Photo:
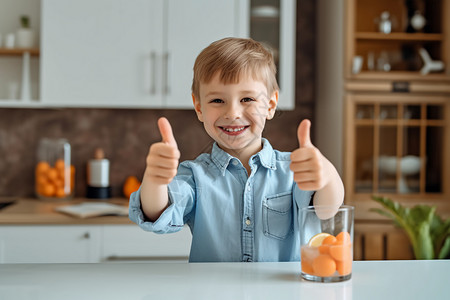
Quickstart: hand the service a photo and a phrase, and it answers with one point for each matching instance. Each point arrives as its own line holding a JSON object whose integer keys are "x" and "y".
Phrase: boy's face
{"x": 234, "y": 115}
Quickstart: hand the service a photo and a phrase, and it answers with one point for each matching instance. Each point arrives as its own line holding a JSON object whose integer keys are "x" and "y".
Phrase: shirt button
{"x": 235, "y": 162}
{"x": 248, "y": 222}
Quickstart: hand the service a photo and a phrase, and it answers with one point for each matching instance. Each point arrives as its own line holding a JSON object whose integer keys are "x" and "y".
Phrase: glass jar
{"x": 54, "y": 174}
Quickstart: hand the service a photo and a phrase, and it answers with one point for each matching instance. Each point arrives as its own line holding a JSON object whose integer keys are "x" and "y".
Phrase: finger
{"x": 166, "y": 132}
{"x": 304, "y": 177}
{"x": 162, "y": 162}
{"x": 302, "y": 154}
{"x": 164, "y": 150}
{"x": 162, "y": 173}
{"x": 307, "y": 186}
{"x": 303, "y": 134}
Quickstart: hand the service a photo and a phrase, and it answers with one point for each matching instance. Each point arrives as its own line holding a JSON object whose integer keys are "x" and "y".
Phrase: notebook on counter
{"x": 93, "y": 209}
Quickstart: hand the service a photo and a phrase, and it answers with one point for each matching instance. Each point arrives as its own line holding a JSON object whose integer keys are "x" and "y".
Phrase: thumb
{"x": 303, "y": 134}
{"x": 166, "y": 132}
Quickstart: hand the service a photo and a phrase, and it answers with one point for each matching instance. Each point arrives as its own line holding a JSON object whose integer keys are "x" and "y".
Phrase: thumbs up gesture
{"x": 307, "y": 163}
{"x": 162, "y": 159}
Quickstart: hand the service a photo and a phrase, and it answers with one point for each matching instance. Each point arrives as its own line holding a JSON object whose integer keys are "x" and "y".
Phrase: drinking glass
{"x": 326, "y": 241}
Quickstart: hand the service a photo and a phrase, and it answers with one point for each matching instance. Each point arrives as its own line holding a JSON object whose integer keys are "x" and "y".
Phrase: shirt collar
{"x": 222, "y": 159}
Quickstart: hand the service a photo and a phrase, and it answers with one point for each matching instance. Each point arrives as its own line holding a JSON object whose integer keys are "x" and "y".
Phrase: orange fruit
{"x": 59, "y": 164}
{"x": 307, "y": 268}
{"x": 323, "y": 265}
{"x": 42, "y": 167}
{"x": 344, "y": 237}
{"x": 344, "y": 267}
{"x": 329, "y": 240}
{"x": 317, "y": 239}
{"x": 60, "y": 193}
{"x": 48, "y": 190}
{"x": 52, "y": 173}
{"x": 324, "y": 249}
{"x": 131, "y": 185}
{"x": 341, "y": 252}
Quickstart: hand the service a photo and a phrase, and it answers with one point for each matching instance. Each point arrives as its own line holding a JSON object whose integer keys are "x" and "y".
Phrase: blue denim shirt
{"x": 232, "y": 216}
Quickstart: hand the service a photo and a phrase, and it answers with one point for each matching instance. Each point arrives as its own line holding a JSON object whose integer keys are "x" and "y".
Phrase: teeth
{"x": 233, "y": 129}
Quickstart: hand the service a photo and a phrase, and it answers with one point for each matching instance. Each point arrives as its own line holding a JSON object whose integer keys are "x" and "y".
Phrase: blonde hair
{"x": 233, "y": 57}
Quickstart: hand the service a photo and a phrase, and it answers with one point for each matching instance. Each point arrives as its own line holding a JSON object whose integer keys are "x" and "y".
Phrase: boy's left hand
{"x": 307, "y": 163}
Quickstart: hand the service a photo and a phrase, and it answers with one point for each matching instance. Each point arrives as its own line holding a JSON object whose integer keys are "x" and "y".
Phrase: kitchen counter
{"x": 370, "y": 280}
{"x": 25, "y": 211}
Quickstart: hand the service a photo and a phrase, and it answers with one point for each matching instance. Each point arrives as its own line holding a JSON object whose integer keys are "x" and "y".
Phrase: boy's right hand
{"x": 163, "y": 157}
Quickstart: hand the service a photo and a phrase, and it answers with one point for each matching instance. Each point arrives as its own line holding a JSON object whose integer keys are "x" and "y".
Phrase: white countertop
{"x": 371, "y": 280}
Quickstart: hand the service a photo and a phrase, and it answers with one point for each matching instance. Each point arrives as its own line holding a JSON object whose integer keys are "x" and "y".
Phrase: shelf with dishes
{"x": 394, "y": 39}
{"x": 397, "y": 145}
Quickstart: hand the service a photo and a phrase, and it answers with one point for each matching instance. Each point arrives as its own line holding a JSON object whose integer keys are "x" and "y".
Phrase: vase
{"x": 25, "y": 38}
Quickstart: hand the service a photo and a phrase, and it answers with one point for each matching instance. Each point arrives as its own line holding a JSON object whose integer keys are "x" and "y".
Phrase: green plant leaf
{"x": 400, "y": 215}
{"x": 445, "y": 250}
{"x": 424, "y": 246}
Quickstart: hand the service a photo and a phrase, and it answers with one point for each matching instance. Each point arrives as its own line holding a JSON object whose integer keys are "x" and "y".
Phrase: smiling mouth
{"x": 233, "y": 130}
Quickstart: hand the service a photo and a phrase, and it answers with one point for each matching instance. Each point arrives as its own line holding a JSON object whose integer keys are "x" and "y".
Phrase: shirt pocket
{"x": 278, "y": 215}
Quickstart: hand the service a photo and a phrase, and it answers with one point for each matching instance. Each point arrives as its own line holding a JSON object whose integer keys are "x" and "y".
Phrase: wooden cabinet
{"x": 89, "y": 244}
{"x": 395, "y": 54}
{"x": 397, "y": 117}
{"x": 397, "y": 145}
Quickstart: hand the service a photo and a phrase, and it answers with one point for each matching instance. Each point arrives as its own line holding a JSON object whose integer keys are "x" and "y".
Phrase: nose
{"x": 233, "y": 111}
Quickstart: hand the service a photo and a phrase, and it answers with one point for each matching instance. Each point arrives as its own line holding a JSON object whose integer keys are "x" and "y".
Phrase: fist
{"x": 162, "y": 159}
{"x": 307, "y": 162}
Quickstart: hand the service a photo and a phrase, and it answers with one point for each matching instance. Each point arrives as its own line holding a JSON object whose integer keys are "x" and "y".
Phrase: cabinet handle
{"x": 86, "y": 236}
{"x": 166, "y": 88}
{"x": 153, "y": 73}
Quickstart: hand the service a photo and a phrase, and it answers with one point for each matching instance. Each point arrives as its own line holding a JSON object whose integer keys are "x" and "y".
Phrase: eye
{"x": 247, "y": 99}
{"x": 216, "y": 101}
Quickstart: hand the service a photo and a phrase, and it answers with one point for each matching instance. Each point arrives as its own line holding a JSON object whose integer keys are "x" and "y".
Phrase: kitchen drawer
{"x": 49, "y": 244}
{"x": 130, "y": 242}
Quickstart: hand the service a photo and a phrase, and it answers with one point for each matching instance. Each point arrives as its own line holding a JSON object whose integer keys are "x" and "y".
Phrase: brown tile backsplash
{"x": 126, "y": 134}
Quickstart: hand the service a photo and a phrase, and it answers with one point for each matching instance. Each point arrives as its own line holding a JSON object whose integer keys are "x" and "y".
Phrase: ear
{"x": 272, "y": 105}
{"x": 197, "y": 107}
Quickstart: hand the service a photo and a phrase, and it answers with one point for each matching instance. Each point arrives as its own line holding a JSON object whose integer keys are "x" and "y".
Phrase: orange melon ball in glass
{"x": 326, "y": 255}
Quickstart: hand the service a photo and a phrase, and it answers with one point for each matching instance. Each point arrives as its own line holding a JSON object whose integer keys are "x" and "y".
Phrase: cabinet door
{"x": 191, "y": 26}
{"x": 129, "y": 242}
{"x": 49, "y": 244}
{"x": 397, "y": 145}
{"x": 101, "y": 53}
{"x": 273, "y": 22}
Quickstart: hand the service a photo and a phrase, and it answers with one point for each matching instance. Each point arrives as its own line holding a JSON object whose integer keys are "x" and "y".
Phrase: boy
{"x": 241, "y": 201}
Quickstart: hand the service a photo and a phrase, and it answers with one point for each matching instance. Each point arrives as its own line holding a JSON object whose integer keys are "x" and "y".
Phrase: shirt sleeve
{"x": 181, "y": 203}
{"x": 302, "y": 198}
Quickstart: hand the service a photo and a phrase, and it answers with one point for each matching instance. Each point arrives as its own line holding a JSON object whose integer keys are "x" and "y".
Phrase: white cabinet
{"x": 140, "y": 53}
{"x": 273, "y": 22}
{"x": 52, "y": 244}
{"x": 125, "y": 243}
{"x": 117, "y": 53}
{"x": 90, "y": 244}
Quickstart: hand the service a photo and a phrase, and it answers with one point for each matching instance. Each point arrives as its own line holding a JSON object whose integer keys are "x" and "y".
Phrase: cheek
{"x": 257, "y": 113}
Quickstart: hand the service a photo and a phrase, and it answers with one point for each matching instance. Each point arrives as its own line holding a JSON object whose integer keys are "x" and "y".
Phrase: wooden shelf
{"x": 400, "y": 76}
{"x": 400, "y": 36}
{"x": 399, "y": 122}
{"x": 19, "y": 52}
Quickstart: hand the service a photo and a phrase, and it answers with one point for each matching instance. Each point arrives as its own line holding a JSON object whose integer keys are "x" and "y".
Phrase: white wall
{"x": 330, "y": 80}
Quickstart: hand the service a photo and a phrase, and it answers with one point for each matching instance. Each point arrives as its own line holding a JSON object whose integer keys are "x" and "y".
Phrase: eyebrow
{"x": 216, "y": 93}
